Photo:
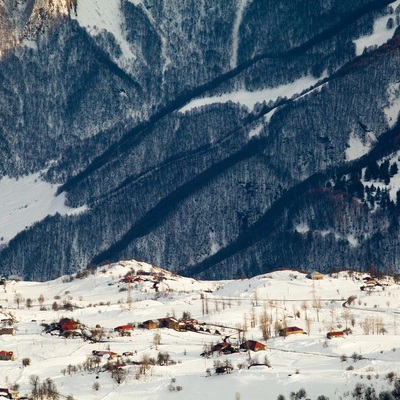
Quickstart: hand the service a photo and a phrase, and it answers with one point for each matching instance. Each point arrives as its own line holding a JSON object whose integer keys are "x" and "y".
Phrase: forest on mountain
{"x": 215, "y": 191}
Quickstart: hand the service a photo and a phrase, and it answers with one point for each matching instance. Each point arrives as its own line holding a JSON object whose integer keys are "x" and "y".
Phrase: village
{"x": 231, "y": 326}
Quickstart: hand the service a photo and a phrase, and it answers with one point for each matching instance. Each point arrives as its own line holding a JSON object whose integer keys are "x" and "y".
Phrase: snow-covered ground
{"x": 250, "y": 99}
{"x": 309, "y": 361}
{"x": 99, "y": 16}
{"x": 26, "y": 201}
{"x": 381, "y": 33}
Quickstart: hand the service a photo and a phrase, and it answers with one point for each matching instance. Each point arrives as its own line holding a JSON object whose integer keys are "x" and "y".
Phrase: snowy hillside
{"x": 25, "y": 201}
{"x": 165, "y": 363}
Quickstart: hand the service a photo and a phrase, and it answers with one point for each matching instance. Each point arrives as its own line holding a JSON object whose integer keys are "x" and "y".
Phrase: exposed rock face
{"x": 92, "y": 91}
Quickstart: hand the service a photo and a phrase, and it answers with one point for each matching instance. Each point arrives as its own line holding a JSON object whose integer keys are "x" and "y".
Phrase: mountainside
{"x": 216, "y": 139}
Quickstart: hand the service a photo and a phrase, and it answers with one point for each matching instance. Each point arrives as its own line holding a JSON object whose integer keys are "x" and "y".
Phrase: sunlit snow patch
{"x": 393, "y": 109}
{"x": 380, "y": 35}
{"x": 357, "y": 147}
{"x": 105, "y": 15}
{"x": 256, "y": 131}
{"x": 26, "y": 201}
{"x": 302, "y": 228}
{"x": 250, "y": 99}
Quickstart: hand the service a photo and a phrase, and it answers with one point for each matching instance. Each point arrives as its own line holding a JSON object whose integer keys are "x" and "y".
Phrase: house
{"x": 331, "y": 335}
{"x": 370, "y": 281}
{"x": 188, "y": 324}
{"x": 290, "y": 330}
{"x": 169, "y": 322}
{"x": 6, "y": 330}
{"x": 6, "y": 355}
{"x": 253, "y": 345}
{"x": 67, "y": 324}
{"x": 224, "y": 347}
{"x": 151, "y": 324}
{"x": 315, "y": 276}
{"x": 124, "y": 330}
{"x": 7, "y": 322}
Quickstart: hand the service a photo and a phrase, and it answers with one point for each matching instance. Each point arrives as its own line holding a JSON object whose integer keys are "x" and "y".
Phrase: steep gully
{"x": 267, "y": 223}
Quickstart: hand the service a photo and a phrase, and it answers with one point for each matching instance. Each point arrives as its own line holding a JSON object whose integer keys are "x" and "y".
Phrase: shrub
{"x": 26, "y": 361}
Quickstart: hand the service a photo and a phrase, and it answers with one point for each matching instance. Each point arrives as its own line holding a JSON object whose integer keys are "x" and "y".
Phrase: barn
{"x": 253, "y": 345}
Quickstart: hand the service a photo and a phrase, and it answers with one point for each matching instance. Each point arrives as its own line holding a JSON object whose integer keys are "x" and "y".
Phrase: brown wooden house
{"x": 315, "y": 275}
{"x": 253, "y": 345}
{"x": 290, "y": 330}
{"x": 151, "y": 324}
{"x": 338, "y": 334}
{"x": 169, "y": 322}
{"x": 6, "y": 330}
{"x": 223, "y": 347}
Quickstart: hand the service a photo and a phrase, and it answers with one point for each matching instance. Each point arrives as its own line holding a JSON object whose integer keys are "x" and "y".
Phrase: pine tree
{"x": 393, "y": 169}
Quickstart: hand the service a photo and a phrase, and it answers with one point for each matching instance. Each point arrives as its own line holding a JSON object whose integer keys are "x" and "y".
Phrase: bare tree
{"x": 347, "y": 315}
{"x": 256, "y": 298}
{"x": 308, "y": 325}
{"x": 118, "y": 374}
{"x": 253, "y": 317}
{"x": 41, "y": 300}
{"x": 145, "y": 364}
{"x": 18, "y": 299}
{"x": 304, "y": 307}
{"x": 156, "y": 340}
{"x": 265, "y": 323}
{"x": 317, "y": 304}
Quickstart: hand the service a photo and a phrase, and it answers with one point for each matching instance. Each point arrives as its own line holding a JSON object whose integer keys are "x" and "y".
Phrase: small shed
{"x": 290, "y": 330}
{"x": 253, "y": 345}
{"x": 315, "y": 276}
{"x": 6, "y": 355}
{"x": 337, "y": 334}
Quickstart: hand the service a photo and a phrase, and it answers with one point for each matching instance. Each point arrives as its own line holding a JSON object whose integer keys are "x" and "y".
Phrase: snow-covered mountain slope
{"x": 26, "y": 201}
{"x": 365, "y": 359}
{"x": 279, "y": 104}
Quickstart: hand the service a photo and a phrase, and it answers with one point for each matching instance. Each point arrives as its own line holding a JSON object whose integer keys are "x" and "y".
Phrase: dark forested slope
{"x": 219, "y": 190}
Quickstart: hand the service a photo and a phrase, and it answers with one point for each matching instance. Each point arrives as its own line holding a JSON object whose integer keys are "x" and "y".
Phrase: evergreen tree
{"x": 384, "y": 172}
{"x": 393, "y": 169}
{"x": 367, "y": 174}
